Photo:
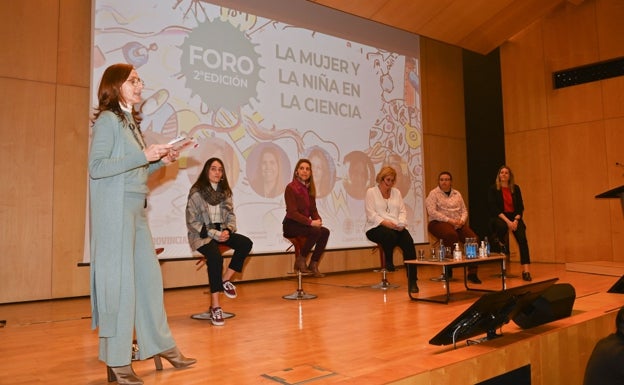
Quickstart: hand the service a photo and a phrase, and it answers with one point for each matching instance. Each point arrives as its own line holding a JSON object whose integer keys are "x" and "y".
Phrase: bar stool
{"x": 223, "y": 248}
{"x": 384, "y": 284}
{"x": 297, "y": 244}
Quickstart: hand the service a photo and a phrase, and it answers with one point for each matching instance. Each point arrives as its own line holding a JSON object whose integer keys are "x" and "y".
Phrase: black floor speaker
{"x": 617, "y": 287}
{"x": 555, "y": 303}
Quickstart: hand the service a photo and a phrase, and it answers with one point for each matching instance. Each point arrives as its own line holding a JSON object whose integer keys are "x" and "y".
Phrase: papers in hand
{"x": 182, "y": 143}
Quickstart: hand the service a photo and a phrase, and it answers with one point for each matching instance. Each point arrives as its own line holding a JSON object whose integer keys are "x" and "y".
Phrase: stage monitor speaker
{"x": 555, "y": 303}
{"x": 617, "y": 287}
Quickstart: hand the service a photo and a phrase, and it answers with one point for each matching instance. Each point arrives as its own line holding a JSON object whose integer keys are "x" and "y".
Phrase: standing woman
{"x": 386, "y": 217}
{"x": 506, "y": 208}
{"x": 302, "y": 218}
{"x": 126, "y": 280}
{"x": 210, "y": 221}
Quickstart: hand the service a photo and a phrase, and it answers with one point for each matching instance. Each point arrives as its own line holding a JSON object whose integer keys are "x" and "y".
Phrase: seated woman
{"x": 302, "y": 218}
{"x": 386, "y": 217}
{"x": 210, "y": 220}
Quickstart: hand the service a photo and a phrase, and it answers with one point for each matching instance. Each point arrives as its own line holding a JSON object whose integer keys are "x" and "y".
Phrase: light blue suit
{"x": 126, "y": 280}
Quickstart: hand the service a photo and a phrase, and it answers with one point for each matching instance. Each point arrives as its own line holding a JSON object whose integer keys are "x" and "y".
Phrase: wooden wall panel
{"x": 582, "y": 136}
{"x": 70, "y": 191}
{"x": 27, "y": 128}
{"x": 614, "y": 138}
{"x": 29, "y": 33}
{"x": 443, "y": 114}
{"x": 524, "y": 81}
{"x": 571, "y": 40}
{"x": 578, "y": 173}
{"x": 570, "y": 36}
{"x": 613, "y": 97}
{"x": 569, "y": 105}
{"x": 609, "y": 16}
{"x": 74, "y": 42}
{"x": 527, "y": 153}
{"x": 443, "y": 89}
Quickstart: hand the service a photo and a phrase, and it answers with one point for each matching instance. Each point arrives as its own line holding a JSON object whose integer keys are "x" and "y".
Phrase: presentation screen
{"x": 261, "y": 94}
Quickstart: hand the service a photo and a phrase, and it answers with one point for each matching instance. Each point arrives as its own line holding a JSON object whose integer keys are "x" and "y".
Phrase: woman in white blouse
{"x": 386, "y": 217}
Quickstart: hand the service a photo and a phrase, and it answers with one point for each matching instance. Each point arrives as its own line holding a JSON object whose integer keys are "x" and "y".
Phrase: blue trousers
{"x": 141, "y": 306}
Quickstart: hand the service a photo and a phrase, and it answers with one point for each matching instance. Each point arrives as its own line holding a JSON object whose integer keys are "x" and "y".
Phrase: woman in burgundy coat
{"x": 302, "y": 218}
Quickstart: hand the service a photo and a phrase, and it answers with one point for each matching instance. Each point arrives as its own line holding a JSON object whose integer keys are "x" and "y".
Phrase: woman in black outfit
{"x": 506, "y": 208}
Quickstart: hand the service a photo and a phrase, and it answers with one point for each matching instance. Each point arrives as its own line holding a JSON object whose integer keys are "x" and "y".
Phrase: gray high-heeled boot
{"x": 124, "y": 375}
{"x": 175, "y": 358}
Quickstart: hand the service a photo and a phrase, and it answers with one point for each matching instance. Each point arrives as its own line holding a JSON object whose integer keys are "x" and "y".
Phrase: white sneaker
{"x": 217, "y": 316}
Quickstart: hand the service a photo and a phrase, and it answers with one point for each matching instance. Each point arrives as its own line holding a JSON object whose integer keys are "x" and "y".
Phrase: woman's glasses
{"x": 136, "y": 81}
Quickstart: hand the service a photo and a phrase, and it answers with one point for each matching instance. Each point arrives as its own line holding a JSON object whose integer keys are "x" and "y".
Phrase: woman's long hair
{"x": 511, "y": 183}
{"x": 310, "y": 184}
{"x": 109, "y": 92}
{"x": 203, "y": 182}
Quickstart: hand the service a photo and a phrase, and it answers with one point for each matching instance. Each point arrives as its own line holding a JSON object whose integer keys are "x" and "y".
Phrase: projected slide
{"x": 261, "y": 94}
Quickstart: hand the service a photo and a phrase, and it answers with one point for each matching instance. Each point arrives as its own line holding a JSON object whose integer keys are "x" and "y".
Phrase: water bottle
{"x": 472, "y": 247}
{"x": 487, "y": 247}
{"x": 467, "y": 248}
{"x": 442, "y": 252}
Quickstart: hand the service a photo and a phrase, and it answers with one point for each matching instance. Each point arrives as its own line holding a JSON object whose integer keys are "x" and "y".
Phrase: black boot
{"x": 300, "y": 265}
{"x": 313, "y": 267}
{"x": 472, "y": 277}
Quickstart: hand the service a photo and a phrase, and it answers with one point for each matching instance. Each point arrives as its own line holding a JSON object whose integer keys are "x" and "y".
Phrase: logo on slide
{"x": 223, "y": 72}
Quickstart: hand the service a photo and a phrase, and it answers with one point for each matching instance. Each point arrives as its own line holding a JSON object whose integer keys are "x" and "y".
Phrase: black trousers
{"x": 501, "y": 228}
{"x": 214, "y": 260}
{"x": 316, "y": 237}
{"x": 389, "y": 239}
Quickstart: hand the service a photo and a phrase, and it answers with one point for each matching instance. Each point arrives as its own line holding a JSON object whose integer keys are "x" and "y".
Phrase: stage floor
{"x": 350, "y": 334}
{"x": 615, "y": 269}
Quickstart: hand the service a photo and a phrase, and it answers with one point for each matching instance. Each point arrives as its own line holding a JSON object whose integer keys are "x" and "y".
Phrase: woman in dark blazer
{"x": 506, "y": 209}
